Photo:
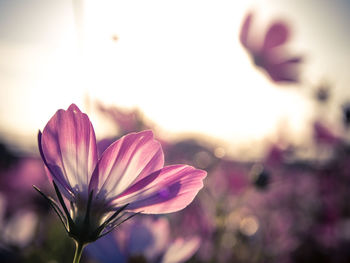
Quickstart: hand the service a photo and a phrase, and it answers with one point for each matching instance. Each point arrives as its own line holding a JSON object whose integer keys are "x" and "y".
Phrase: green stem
{"x": 78, "y": 251}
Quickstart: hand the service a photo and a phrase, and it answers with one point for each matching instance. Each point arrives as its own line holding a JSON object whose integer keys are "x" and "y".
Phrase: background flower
{"x": 269, "y": 54}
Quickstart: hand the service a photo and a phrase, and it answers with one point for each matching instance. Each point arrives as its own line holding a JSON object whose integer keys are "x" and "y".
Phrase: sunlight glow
{"x": 179, "y": 62}
{"x": 183, "y": 67}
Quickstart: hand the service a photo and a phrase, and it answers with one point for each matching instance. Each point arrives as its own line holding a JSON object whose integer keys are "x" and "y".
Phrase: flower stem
{"x": 78, "y": 251}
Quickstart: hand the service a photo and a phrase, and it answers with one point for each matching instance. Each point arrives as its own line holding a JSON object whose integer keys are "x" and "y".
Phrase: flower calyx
{"x": 87, "y": 228}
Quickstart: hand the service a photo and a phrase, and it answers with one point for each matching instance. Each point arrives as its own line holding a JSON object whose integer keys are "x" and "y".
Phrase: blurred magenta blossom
{"x": 18, "y": 229}
{"x": 270, "y": 54}
{"x": 324, "y": 135}
{"x": 27, "y": 170}
{"x": 144, "y": 239}
{"x": 126, "y": 120}
{"x": 129, "y": 175}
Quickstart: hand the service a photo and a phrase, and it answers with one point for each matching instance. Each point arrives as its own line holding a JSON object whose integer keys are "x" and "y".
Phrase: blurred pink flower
{"x": 270, "y": 54}
{"x": 228, "y": 178}
{"x": 18, "y": 229}
{"x": 197, "y": 220}
{"x": 181, "y": 250}
{"x": 126, "y": 120}
{"x": 130, "y": 174}
{"x": 324, "y": 135}
{"x": 144, "y": 239}
{"x": 274, "y": 156}
{"x": 27, "y": 170}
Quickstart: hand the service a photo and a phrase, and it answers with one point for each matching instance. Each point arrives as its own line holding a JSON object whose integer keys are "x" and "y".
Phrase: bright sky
{"x": 180, "y": 62}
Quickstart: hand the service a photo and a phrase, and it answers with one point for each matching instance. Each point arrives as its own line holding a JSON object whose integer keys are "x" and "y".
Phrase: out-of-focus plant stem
{"x": 78, "y": 251}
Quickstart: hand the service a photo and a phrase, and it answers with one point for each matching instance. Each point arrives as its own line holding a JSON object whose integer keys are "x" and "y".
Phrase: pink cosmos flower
{"x": 129, "y": 176}
{"x": 269, "y": 55}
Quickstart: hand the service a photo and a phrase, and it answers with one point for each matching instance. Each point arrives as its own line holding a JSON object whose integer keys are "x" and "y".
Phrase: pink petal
{"x": 286, "y": 70}
{"x": 324, "y": 135}
{"x": 243, "y": 36}
{"x": 165, "y": 191}
{"x": 181, "y": 250}
{"x": 68, "y": 145}
{"x": 126, "y": 161}
{"x": 277, "y": 35}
